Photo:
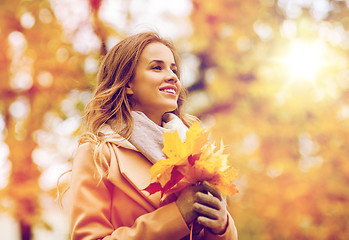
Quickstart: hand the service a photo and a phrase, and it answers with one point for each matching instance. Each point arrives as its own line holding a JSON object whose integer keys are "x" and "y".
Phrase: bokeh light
{"x": 305, "y": 59}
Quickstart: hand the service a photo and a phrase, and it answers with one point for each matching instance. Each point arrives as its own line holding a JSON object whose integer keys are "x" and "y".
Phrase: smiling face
{"x": 155, "y": 86}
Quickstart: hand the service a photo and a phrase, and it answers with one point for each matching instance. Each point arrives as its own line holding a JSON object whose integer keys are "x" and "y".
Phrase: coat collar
{"x": 134, "y": 167}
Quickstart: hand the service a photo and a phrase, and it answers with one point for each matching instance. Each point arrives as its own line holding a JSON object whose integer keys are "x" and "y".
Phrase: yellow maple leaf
{"x": 162, "y": 170}
{"x": 195, "y": 139}
{"x": 174, "y": 148}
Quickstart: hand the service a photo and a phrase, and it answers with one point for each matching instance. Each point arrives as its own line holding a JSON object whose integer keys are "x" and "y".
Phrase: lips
{"x": 169, "y": 89}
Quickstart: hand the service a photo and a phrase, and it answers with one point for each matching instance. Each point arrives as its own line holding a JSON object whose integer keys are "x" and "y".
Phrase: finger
{"x": 200, "y": 188}
{"x": 216, "y": 226}
{"x": 208, "y": 200}
{"x": 214, "y": 191}
{"x": 205, "y": 211}
{"x": 212, "y": 224}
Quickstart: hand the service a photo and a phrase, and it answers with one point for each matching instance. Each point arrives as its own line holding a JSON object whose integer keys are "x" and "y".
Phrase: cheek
{"x": 152, "y": 81}
{"x": 179, "y": 86}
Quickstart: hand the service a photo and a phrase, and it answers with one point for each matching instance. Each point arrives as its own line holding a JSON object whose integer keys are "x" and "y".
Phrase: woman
{"x": 138, "y": 97}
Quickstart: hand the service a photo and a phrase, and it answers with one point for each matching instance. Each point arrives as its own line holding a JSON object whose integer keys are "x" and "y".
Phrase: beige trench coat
{"x": 117, "y": 207}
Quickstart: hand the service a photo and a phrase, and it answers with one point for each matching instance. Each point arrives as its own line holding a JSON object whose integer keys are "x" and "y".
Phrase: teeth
{"x": 169, "y": 90}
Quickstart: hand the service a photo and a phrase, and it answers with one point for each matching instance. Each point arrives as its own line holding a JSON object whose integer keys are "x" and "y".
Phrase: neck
{"x": 155, "y": 117}
{"x": 157, "y": 120}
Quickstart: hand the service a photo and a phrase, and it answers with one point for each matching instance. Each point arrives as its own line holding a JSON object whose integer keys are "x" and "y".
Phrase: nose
{"x": 172, "y": 77}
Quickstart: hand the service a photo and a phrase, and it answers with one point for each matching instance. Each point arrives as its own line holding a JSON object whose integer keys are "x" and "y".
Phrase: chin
{"x": 171, "y": 109}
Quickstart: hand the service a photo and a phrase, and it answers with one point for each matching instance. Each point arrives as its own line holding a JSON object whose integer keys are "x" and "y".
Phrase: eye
{"x": 157, "y": 68}
{"x": 175, "y": 71}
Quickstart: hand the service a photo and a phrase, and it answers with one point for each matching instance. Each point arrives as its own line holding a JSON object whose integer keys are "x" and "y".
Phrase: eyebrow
{"x": 162, "y": 62}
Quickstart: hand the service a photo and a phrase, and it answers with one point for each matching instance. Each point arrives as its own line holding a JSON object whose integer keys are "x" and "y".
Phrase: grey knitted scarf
{"x": 147, "y": 137}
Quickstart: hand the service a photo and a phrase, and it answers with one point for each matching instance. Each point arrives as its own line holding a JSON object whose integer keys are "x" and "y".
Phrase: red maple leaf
{"x": 153, "y": 188}
{"x": 176, "y": 176}
{"x": 193, "y": 158}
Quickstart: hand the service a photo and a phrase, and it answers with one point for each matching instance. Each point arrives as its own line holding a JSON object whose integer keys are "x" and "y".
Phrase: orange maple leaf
{"x": 194, "y": 160}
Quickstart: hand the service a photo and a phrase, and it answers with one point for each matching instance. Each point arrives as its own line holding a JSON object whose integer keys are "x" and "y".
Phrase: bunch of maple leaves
{"x": 195, "y": 160}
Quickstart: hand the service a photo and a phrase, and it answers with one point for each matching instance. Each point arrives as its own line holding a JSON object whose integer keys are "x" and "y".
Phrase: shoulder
{"x": 94, "y": 149}
{"x": 86, "y": 147}
{"x": 83, "y": 160}
{"x": 90, "y": 155}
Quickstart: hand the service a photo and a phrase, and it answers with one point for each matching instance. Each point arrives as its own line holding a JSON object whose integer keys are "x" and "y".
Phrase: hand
{"x": 185, "y": 203}
{"x": 205, "y": 204}
{"x": 211, "y": 208}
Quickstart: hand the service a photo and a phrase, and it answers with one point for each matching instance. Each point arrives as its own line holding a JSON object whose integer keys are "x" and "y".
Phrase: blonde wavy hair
{"x": 110, "y": 101}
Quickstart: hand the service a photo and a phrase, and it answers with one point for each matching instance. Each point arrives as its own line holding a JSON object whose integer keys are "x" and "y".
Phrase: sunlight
{"x": 305, "y": 59}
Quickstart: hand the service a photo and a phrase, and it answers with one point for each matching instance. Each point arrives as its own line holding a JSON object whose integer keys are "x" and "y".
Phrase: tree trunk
{"x": 25, "y": 230}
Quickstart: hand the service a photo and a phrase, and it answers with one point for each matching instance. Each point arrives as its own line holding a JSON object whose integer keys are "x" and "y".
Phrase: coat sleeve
{"x": 91, "y": 212}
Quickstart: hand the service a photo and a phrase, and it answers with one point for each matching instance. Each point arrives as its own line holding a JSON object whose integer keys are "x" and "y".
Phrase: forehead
{"x": 157, "y": 51}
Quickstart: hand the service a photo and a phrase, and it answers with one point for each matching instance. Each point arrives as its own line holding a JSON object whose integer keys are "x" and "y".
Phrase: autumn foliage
{"x": 284, "y": 123}
{"x": 190, "y": 162}
{"x": 270, "y": 76}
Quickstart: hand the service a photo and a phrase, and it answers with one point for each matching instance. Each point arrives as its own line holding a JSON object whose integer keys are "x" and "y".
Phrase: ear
{"x": 129, "y": 90}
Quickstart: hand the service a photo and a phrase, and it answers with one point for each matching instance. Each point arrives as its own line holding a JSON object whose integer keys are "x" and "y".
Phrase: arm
{"x": 91, "y": 208}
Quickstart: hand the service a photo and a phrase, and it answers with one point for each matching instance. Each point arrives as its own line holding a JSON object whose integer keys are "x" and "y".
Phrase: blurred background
{"x": 271, "y": 76}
